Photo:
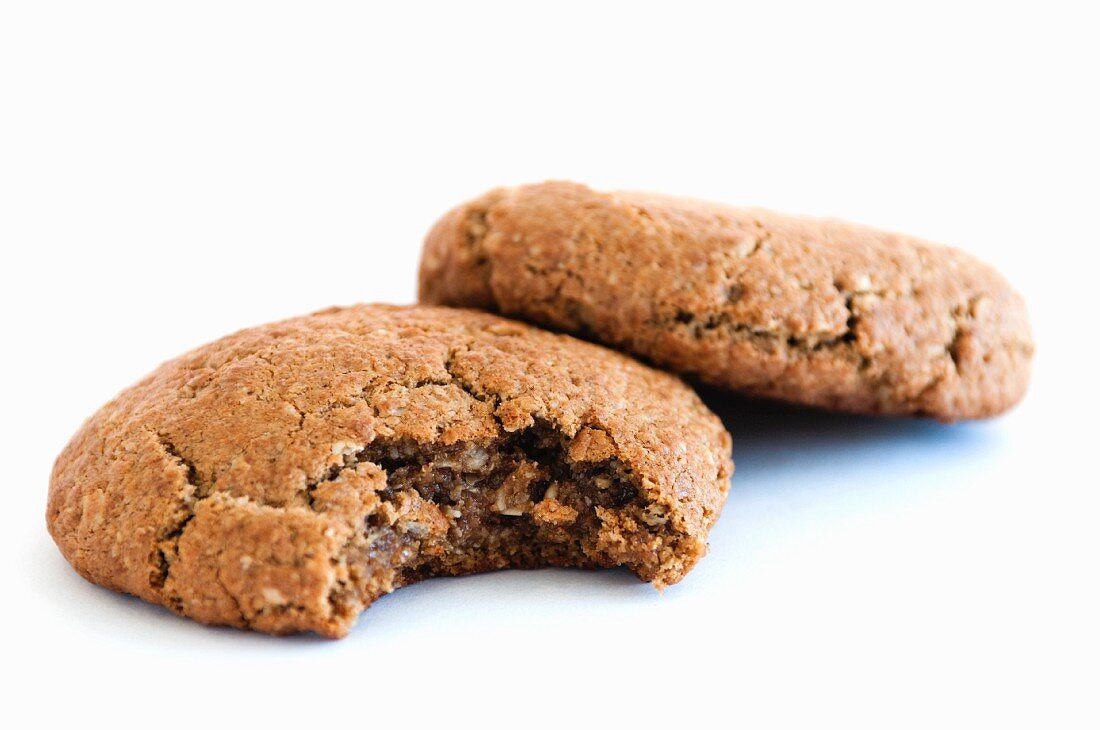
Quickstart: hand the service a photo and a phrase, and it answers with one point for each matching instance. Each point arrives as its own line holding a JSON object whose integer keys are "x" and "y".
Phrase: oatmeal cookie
{"x": 284, "y": 477}
{"x": 817, "y": 312}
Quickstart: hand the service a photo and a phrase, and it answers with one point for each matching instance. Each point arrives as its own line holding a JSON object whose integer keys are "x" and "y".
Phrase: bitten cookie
{"x": 286, "y": 476}
{"x": 816, "y": 312}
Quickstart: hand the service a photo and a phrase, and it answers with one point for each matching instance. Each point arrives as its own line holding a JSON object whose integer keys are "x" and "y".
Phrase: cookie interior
{"x": 519, "y": 502}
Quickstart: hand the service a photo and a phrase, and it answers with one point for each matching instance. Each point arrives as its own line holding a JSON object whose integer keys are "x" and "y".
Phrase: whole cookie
{"x": 816, "y": 312}
{"x": 284, "y": 477}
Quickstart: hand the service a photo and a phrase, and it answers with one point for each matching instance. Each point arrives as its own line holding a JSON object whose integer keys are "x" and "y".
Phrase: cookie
{"x": 816, "y": 312}
{"x": 284, "y": 477}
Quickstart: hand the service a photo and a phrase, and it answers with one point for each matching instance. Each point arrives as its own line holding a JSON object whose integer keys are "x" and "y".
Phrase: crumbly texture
{"x": 817, "y": 312}
{"x": 284, "y": 477}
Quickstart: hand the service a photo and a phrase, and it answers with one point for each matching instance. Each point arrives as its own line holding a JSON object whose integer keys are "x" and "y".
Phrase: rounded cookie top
{"x": 817, "y": 312}
{"x": 283, "y": 477}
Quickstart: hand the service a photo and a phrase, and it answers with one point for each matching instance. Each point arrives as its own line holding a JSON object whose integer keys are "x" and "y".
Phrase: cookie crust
{"x": 284, "y": 477}
{"x": 816, "y": 312}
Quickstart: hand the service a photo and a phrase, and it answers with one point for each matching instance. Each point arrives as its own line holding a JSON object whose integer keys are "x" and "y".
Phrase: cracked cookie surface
{"x": 816, "y": 312}
{"x": 284, "y": 477}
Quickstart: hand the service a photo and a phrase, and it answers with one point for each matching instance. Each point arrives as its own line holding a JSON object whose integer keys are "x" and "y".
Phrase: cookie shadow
{"x": 438, "y": 604}
{"x": 777, "y": 447}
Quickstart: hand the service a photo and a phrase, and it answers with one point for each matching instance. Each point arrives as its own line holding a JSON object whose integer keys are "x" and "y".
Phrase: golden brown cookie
{"x": 817, "y": 312}
{"x": 284, "y": 477}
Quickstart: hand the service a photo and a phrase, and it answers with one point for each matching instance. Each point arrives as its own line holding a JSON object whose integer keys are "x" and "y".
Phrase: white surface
{"x": 172, "y": 173}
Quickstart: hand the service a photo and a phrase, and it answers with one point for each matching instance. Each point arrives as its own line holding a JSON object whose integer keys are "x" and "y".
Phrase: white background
{"x": 172, "y": 172}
